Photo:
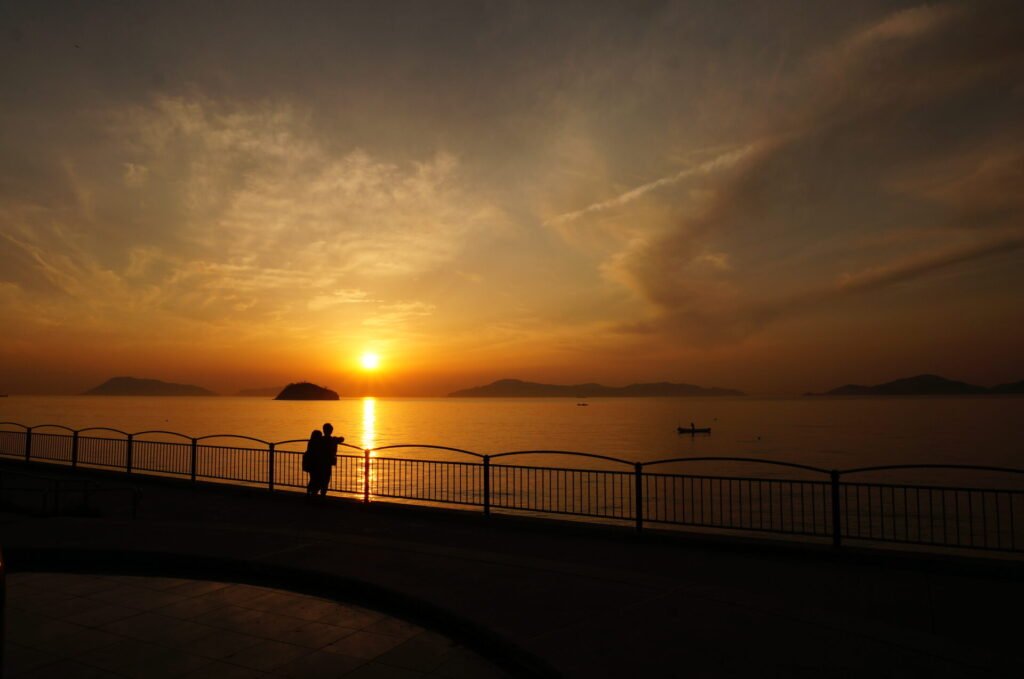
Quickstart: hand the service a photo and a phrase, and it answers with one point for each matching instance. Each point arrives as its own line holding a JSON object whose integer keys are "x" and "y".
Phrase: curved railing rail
{"x": 163, "y": 431}
{"x": 832, "y": 507}
{"x": 754, "y": 460}
{"x": 571, "y": 453}
{"x": 427, "y": 446}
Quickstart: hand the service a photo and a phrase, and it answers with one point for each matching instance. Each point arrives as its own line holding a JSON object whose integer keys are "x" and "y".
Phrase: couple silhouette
{"x": 320, "y": 456}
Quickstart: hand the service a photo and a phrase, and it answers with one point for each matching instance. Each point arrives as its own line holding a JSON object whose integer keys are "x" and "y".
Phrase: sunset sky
{"x": 769, "y": 196}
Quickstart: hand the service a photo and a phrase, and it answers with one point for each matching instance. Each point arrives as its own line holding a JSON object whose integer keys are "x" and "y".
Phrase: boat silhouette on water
{"x": 694, "y": 430}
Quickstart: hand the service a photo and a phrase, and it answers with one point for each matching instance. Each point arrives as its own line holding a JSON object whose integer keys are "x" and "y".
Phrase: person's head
{"x": 328, "y": 428}
{"x": 316, "y": 434}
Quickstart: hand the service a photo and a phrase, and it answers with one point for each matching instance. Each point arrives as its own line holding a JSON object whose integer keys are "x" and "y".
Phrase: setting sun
{"x": 369, "y": 361}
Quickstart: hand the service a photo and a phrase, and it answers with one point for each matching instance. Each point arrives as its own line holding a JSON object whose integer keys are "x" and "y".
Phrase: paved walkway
{"x": 545, "y": 598}
{"x": 69, "y": 625}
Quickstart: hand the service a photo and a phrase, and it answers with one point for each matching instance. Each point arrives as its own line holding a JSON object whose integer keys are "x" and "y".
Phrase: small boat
{"x": 694, "y": 430}
{"x": 582, "y": 404}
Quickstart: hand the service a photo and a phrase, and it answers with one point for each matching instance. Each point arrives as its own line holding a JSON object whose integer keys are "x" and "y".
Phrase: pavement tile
{"x": 237, "y": 594}
{"x": 424, "y": 652}
{"x": 190, "y": 608}
{"x": 157, "y": 628}
{"x": 136, "y": 597}
{"x": 100, "y": 614}
{"x": 223, "y": 670}
{"x": 267, "y": 655}
{"x": 315, "y": 634}
{"x": 273, "y": 600}
{"x": 248, "y": 621}
{"x": 352, "y": 617}
{"x": 312, "y": 608}
{"x": 366, "y": 645}
{"x": 123, "y": 654}
{"x": 67, "y": 669}
{"x": 153, "y": 582}
{"x": 221, "y": 643}
{"x": 20, "y": 580}
{"x": 67, "y": 605}
{"x": 462, "y": 663}
{"x": 73, "y": 583}
{"x": 20, "y": 659}
{"x": 394, "y": 627}
{"x": 134, "y": 658}
{"x": 376, "y": 670}
{"x": 29, "y": 596}
{"x": 62, "y": 639}
{"x": 319, "y": 665}
{"x": 196, "y": 588}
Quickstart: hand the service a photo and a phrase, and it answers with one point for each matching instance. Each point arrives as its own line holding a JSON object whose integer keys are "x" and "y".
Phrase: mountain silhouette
{"x": 919, "y": 385}
{"x": 306, "y": 391}
{"x": 518, "y": 388}
{"x": 1009, "y": 388}
{"x": 136, "y": 386}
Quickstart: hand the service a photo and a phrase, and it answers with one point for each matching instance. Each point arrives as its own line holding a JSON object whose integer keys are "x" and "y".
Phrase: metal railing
{"x": 807, "y": 502}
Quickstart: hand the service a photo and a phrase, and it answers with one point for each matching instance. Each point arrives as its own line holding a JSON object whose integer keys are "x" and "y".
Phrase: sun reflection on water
{"x": 369, "y": 422}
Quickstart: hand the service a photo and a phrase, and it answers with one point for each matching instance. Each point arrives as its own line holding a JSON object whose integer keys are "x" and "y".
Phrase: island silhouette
{"x": 519, "y": 388}
{"x": 306, "y": 391}
{"x": 141, "y": 386}
{"x": 922, "y": 385}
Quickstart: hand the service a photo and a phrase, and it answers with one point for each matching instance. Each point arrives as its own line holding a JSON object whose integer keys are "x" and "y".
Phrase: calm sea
{"x": 831, "y": 433}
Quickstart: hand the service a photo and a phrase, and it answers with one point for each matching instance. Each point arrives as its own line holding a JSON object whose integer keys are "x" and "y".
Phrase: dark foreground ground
{"x": 549, "y": 599}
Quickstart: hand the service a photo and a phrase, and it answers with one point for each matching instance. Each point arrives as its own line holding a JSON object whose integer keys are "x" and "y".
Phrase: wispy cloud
{"x": 720, "y": 162}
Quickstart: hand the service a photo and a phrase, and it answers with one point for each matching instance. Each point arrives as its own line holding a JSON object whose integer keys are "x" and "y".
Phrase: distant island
{"x": 922, "y": 385}
{"x": 306, "y": 391}
{"x": 260, "y": 391}
{"x": 135, "y": 386}
{"x": 518, "y": 388}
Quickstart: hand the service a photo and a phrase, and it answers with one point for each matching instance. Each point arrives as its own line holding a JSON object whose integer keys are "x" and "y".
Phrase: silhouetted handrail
{"x": 779, "y": 463}
{"x": 163, "y": 431}
{"x": 973, "y": 467}
{"x": 16, "y": 424}
{"x": 232, "y": 436}
{"x": 430, "y": 446}
{"x": 563, "y": 452}
{"x": 53, "y": 426}
{"x": 123, "y": 433}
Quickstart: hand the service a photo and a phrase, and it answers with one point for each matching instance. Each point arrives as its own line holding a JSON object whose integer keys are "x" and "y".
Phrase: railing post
{"x": 270, "y": 468}
{"x": 128, "y": 454}
{"x": 28, "y": 443}
{"x": 366, "y": 475}
{"x": 487, "y": 485}
{"x": 195, "y": 454}
{"x": 837, "y": 537}
{"x": 639, "y": 467}
{"x": 74, "y": 449}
